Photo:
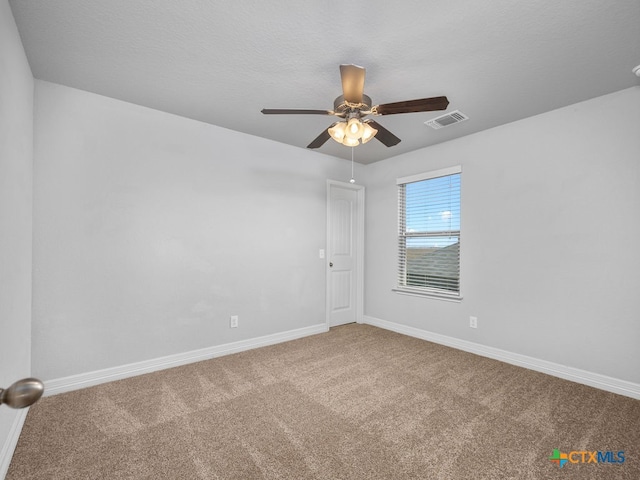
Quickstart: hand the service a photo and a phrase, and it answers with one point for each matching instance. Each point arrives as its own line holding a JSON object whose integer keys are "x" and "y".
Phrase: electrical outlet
{"x": 233, "y": 322}
{"x": 473, "y": 322}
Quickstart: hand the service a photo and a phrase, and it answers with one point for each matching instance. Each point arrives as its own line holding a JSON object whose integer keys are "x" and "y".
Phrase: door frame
{"x": 359, "y": 189}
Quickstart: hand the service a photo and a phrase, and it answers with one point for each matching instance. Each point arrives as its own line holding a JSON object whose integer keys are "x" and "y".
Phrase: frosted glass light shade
{"x": 350, "y": 142}
{"x": 354, "y": 128}
{"x": 368, "y": 133}
{"x": 337, "y": 131}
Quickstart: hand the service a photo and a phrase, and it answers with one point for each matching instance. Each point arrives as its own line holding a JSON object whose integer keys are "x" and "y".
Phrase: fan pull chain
{"x": 353, "y": 180}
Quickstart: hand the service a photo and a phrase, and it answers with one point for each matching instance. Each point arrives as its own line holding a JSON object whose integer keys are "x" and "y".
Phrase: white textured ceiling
{"x": 221, "y": 62}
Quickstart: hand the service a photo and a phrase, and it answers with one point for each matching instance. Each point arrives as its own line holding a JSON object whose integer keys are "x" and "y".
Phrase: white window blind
{"x": 429, "y": 233}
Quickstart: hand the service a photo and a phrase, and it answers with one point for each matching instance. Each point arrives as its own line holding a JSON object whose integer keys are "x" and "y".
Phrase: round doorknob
{"x": 330, "y": 264}
{"x": 23, "y": 393}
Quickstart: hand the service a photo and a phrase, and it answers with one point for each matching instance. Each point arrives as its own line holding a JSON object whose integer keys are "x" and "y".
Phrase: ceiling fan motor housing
{"x": 342, "y": 107}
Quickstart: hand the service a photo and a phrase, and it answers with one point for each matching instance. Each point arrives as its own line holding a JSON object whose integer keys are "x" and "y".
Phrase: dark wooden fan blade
{"x": 321, "y": 139}
{"x": 409, "y": 106}
{"x": 384, "y": 135}
{"x": 278, "y": 111}
{"x": 352, "y": 82}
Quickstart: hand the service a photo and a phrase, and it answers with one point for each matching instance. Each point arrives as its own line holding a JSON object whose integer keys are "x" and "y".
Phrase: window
{"x": 429, "y": 233}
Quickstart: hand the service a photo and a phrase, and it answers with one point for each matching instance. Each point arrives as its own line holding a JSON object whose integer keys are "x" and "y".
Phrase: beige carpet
{"x": 355, "y": 403}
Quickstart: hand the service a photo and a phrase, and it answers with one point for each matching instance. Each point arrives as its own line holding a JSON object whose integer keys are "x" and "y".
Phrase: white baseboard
{"x": 89, "y": 379}
{"x": 6, "y": 454}
{"x": 603, "y": 382}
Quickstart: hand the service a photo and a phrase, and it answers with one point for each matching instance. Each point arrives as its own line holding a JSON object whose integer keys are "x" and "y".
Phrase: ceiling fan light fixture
{"x": 352, "y": 133}
{"x": 337, "y": 131}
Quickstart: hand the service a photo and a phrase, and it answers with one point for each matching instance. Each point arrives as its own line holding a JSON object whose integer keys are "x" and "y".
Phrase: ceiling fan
{"x": 353, "y": 105}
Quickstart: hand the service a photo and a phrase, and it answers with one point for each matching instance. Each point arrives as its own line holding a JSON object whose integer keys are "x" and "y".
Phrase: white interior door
{"x": 343, "y": 259}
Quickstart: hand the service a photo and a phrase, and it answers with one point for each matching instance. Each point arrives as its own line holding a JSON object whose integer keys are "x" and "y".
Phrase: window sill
{"x": 423, "y": 293}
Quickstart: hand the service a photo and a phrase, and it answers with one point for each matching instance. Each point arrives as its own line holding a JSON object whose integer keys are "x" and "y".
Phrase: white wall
{"x": 150, "y": 230}
{"x": 550, "y": 236}
{"x": 16, "y": 166}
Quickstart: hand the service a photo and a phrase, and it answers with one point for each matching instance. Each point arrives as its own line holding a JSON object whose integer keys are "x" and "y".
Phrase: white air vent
{"x": 447, "y": 119}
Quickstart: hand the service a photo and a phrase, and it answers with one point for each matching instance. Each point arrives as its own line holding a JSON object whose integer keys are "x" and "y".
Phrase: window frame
{"x": 403, "y": 235}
